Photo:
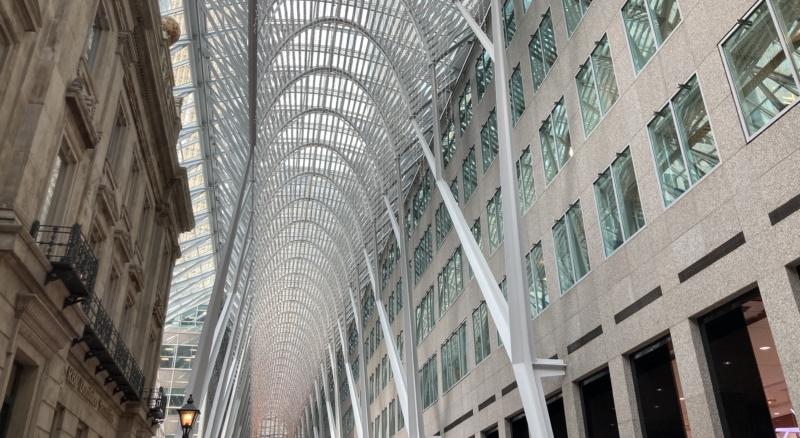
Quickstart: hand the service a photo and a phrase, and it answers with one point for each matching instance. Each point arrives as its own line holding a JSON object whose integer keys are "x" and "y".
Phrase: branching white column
{"x": 331, "y": 419}
{"x": 351, "y": 386}
{"x": 362, "y": 365}
{"x": 338, "y": 404}
{"x": 320, "y": 408}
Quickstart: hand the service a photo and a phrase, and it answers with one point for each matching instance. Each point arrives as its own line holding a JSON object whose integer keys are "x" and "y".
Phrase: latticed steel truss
{"x": 338, "y": 83}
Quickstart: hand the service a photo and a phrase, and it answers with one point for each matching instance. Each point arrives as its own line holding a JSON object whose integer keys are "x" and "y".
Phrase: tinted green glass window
{"x": 476, "y": 233}
{"x": 537, "y": 279}
{"x": 517, "y": 94}
{"x": 494, "y": 213}
{"x": 597, "y": 86}
{"x": 469, "y": 175}
{"x": 542, "y": 50}
{"x": 443, "y": 225}
{"x": 465, "y": 107}
{"x": 572, "y": 255}
{"x": 509, "y": 24}
{"x": 448, "y": 144}
{"x": 454, "y": 358}
{"x": 423, "y": 255}
{"x": 618, "y": 203}
{"x": 480, "y": 330}
{"x": 573, "y": 13}
{"x": 425, "y": 317}
{"x": 648, "y": 23}
{"x": 683, "y": 145}
{"x": 483, "y": 74}
{"x": 555, "y": 141}
{"x": 759, "y": 64}
{"x": 527, "y": 191}
{"x": 450, "y": 282}
{"x": 430, "y": 382}
{"x": 489, "y": 143}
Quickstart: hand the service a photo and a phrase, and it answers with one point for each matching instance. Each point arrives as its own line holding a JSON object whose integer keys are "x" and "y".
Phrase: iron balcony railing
{"x": 106, "y": 344}
{"x": 71, "y": 257}
{"x": 156, "y": 404}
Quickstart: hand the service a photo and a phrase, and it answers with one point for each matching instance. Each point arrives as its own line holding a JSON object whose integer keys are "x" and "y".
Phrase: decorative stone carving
{"x": 83, "y": 108}
{"x": 172, "y": 29}
{"x": 107, "y": 204}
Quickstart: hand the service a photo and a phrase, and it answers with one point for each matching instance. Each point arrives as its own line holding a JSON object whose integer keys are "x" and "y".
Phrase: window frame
{"x": 453, "y": 337}
{"x": 547, "y": 289}
{"x": 614, "y": 185}
{"x": 591, "y": 64}
{"x": 652, "y": 34}
{"x": 784, "y": 46}
{"x": 561, "y": 101}
{"x": 538, "y": 36}
{"x": 513, "y": 97}
{"x": 669, "y": 104}
{"x": 576, "y": 280}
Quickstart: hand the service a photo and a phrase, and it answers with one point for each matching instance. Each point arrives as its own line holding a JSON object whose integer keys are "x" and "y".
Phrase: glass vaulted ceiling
{"x": 337, "y": 85}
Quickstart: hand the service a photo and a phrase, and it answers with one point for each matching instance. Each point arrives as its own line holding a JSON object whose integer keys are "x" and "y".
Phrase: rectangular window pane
{"x": 682, "y": 141}
{"x": 425, "y": 318}
{"x": 577, "y": 241}
{"x": 610, "y": 227}
{"x": 537, "y": 60}
{"x": 517, "y": 94}
{"x": 658, "y": 390}
{"x": 760, "y": 69}
{"x": 494, "y": 212}
{"x": 423, "y": 255}
{"x": 665, "y": 17}
{"x": 527, "y": 191}
{"x": 448, "y": 144}
{"x": 537, "y": 279}
{"x": 509, "y": 24}
{"x": 587, "y": 96}
{"x": 476, "y": 233}
{"x": 548, "y": 150}
{"x": 566, "y": 276}
{"x": 630, "y": 206}
{"x": 450, "y": 282}
{"x": 489, "y": 142}
{"x": 469, "y": 175}
{"x": 640, "y": 33}
{"x": 465, "y": 107}
{"x": 599, "y": 414}
{"x": 483, "y": 74}
{"x": 604, "y": 75}
{"x": 454, "y": 358}
{"x": 573, "y": 12}
{"x": 430, "y": 383}
{"x": 561, "y": 134}
{"x": 480, "y": 332}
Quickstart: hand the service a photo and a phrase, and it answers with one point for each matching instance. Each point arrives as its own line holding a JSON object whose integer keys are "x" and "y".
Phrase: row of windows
{"x": 384, "y": 425}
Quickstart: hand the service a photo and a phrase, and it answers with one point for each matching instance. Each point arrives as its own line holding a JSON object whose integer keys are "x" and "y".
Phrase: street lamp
{"x": 188, "y": 415}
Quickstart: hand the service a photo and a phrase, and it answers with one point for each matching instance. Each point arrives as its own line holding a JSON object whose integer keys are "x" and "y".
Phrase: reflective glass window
{"x": 572, "y": 254}
{"x": 543, "y": 51}
{"x": 517, "y": 94}
{"x": 483, "y": 74}
{"x": 465, "y": 107}
{"x": 555, "y": 141}
{"x": 597, "y": 86}
{"x": 509, "y": 24}
{"x": 648, "y": 23}
{"x": 494, "y": 213}
{"x": 537, "y": 279}
{"x": 489, "y": 142}
{"x": 469, "y": 175}
{"x": 618, "y": 203}
{"x": 480, "y": 333}
{"x": 454, "y": 358}
{"x": 573, "y": 13}
{"x": 527, "y": 190}
{"x": 430, "y": 382}
{"x": 450, "y": 282}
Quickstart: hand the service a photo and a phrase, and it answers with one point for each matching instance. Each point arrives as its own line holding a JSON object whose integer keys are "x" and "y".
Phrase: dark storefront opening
{"x": 519, "y": 426}
{"x": 558, "y": 418}
{"x": 599, "y": 412}
{"x": 749, "y": 386}
{"x": 492, "y": 433}
{"x": 662, "y": 409}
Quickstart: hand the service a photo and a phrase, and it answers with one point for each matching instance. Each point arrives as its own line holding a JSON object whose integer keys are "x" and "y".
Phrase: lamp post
{"x": 188, "y": 415}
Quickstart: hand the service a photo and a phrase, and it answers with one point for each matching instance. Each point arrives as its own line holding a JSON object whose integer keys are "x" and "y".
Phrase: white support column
{"x": 309, "y": 420}
{"x": 331, "y": 419}
{"x": 236, "y": 397}
{"x": 476, "y": 28}
{"x": 337, "y": 402}
{"x": 317, "y": 424}
{"x": 413, "y": 415}
{"x": 351, "y": 386}
{"x": 394, "y": 358}
{"x": 362, "y": 364}
{"x": 320, "y": 408}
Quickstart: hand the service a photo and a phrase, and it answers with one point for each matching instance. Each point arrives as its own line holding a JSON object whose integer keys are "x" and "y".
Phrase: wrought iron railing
{"x": 156, "y": 404}
{"x": 71, "y": 257}
{"x": 106, "y": 344}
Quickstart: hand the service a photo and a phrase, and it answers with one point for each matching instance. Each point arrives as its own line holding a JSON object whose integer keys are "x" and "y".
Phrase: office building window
{"x": 745, "y": 368}
{"x": 54, "y": 191}
{"x": 430, "y": 382}
{"x": 572, "y": 255}
{"x": 443, "y": 225}
{"x": 648, "y": 24}
{"x": 555, "y": 141}
{"x": 384, "y": 421}
{"x": 400, "y": 346}
{"x": 509, "y": 24}
{"x": 489, "y": 142}
{"x": 599, "y": 415}
{"x": 557, "y": 414}
{"x": 93, "y": 42}
{"x": 356, "y": 369}
{"x": 423, "y": 255}
{"x": 503, "y": 285}
{"x": 390, "y": 308}
{"x": 454, "y": 358}
{"x": 618, "y": 203}
{"x": 484, "y": 72}
{"x": 399, "y": 294}
{"x": 451, "y": 282}
{"x": 391, "y": 419}
{"x": 448, "y": 143}
{"x": 476, "y": 233}
{"x": 469, "y": 175}
{"x": 425, "y": 316}
{"x": 517, "y": 94}
{"x": 683, "y": 144}
{"x": 658, "y": 391}
{"x": 401, "y": 420}
{"x": 537, "y": 279}
{"x": 573, "y": 13}
{"x": 762, "y": 59}
{"x": 480, "y": 332}
{"x": 494, "y": 213}
{"x": 527, "y": 190}
{"x": 543, "y": 51}
{"x": 597, "y": 86}
{"x": 465, "y": 108}
{"x": 421, "y": 199}
{"x": 383, "y": 372}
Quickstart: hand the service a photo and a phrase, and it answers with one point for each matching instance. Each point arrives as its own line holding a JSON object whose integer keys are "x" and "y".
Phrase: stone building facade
{"x": 92, "y": 200}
